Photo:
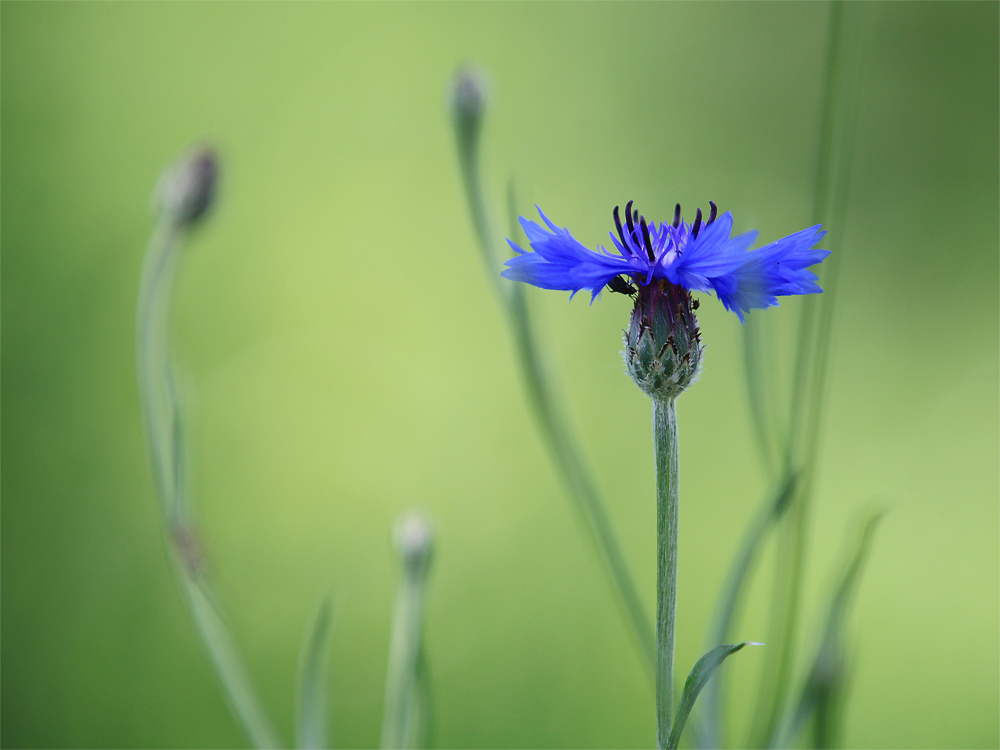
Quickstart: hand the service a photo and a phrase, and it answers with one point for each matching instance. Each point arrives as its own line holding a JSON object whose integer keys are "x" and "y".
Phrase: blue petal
{"x": 559, "y": 261}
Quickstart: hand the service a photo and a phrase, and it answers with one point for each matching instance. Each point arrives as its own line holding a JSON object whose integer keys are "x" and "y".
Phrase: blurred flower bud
{"x": 663, "y": 347}
{"x": 185, "y": 190}
{"x": 415, "y": 542}
{"x": 469, "y": 94}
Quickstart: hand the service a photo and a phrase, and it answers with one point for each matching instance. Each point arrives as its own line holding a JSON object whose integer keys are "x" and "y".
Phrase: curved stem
{"x": 667, "y": 500}
{"x": 163, "y": 425}
{"x": 544, "y": 402}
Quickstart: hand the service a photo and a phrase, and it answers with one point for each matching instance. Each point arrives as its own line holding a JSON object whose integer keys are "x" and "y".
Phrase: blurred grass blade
{"x": 758, "y": 368}
{"x": 822, "y": 695}
{"x": 468, "y": 107}
{"x": 845, "y": 52}
{"x": 709, "y": 730}
{"x": 422, "y": 725}
{"x": 221, "y": 650}
{"x": 696, "y": 680}
{"x": 311, "y": 711}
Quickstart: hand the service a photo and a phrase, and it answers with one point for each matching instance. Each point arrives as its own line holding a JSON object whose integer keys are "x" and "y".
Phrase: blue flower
{"x": 697, "y": 257}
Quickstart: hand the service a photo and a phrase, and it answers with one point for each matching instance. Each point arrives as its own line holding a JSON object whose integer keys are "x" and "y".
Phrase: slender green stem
{"x": 163, "y": 424}
{"x": 311, "y": 707}
{"x": 667, "y": 486}
{"x": 542, "y": 396}
{"x": 406, "y": 715}
{"x": 840, "y": 109}
{"x": 404, "y": 658}
{"x": 710, "y": 732}
{"x": 758, "y": 369}
{"x": 577, "y": 477}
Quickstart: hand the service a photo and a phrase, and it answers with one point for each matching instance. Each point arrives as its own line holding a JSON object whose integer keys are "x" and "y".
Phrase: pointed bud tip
{"x": 185, "y": 190}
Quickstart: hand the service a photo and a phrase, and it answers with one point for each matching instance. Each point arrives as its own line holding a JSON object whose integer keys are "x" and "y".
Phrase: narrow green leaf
{"x": 822, "y": 693}
{"x": 850, "y": 27}
{"x": 310, "y": 724}
{"x": 709, "y": 730}
{"x": 699, "y": 676}
{"x": 222, "y": 651}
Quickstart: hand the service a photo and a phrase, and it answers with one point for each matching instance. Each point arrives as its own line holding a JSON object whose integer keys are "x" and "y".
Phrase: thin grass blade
{"x": 311, "y": 709}
{"x": 696, "y": 680}
{"x": 849, "y": 27}
{"x": 709, "y": 729}
{"x": 823, "y": 693}
{"x": 222, "y": 651}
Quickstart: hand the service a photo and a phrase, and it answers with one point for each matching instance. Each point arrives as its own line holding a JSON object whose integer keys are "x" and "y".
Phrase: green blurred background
{"x": 346, "y": 360}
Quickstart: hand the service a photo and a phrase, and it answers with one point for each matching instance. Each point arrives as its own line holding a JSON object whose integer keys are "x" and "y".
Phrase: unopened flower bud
{"x": 414, "y": 542}
{"x": 185, "y": 190}
{"x": 469, "y": 94}
{"x": 663, "y": 349}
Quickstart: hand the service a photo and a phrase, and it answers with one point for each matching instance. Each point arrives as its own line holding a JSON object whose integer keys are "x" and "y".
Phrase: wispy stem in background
{"x": 789, "y": 454}
{"x": 184, "y": 195}
{"x": 823, "y": 692}
{"x": 310, "y": 720}
{"x": 468, "y": 105}
{"x": 840, "y": 110}
{"x": 406, "y": 717}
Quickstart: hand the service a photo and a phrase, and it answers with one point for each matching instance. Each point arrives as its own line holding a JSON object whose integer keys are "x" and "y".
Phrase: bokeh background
{"x": 345, "y": 359}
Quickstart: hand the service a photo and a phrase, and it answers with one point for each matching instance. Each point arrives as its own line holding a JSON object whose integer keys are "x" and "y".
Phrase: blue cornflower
{"x": 695, "y": 257}
{"x": 663, "y": 350}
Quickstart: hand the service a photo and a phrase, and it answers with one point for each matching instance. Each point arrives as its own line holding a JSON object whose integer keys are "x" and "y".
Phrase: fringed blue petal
{"x": 712, "y": 262}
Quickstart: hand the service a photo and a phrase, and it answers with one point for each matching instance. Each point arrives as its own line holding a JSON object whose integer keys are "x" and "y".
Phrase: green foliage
{"x": 700, "y": 674}
{"x": 311, "y": 721}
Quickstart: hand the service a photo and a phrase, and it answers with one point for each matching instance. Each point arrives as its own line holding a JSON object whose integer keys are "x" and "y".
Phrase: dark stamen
{"x": 621, "y": 234}
{"x": 628, "y": 220}
{"x": 697, "y": 225}
{"x": 645, "y": 239}
{"x": 712, "y": 214}
{"x": 635, "y": 215}
{"x": 677, "y": 216}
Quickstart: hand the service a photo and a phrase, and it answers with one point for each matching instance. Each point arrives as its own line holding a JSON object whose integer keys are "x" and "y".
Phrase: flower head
{"x": 667, "y": 261}
{"x": 695, "y": 257}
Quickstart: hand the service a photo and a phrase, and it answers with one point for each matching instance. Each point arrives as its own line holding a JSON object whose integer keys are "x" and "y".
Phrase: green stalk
{"x": 843, "y": 76}
{"x": 468, "y": 107}
{"x": 406, "y": 716}
{"x": 163, "y": 425}
{"x": 667, "y": 497}
{"x": 399, "y": 717}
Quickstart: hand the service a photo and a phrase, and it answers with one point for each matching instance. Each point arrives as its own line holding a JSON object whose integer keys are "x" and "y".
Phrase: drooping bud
{"x": 185, "y": 190}
{"x": 663, "y": 349}
{"x": 415, "y": 542}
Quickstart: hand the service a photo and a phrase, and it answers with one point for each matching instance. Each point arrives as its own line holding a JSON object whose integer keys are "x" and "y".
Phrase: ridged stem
{"x": 667, "y": 500}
